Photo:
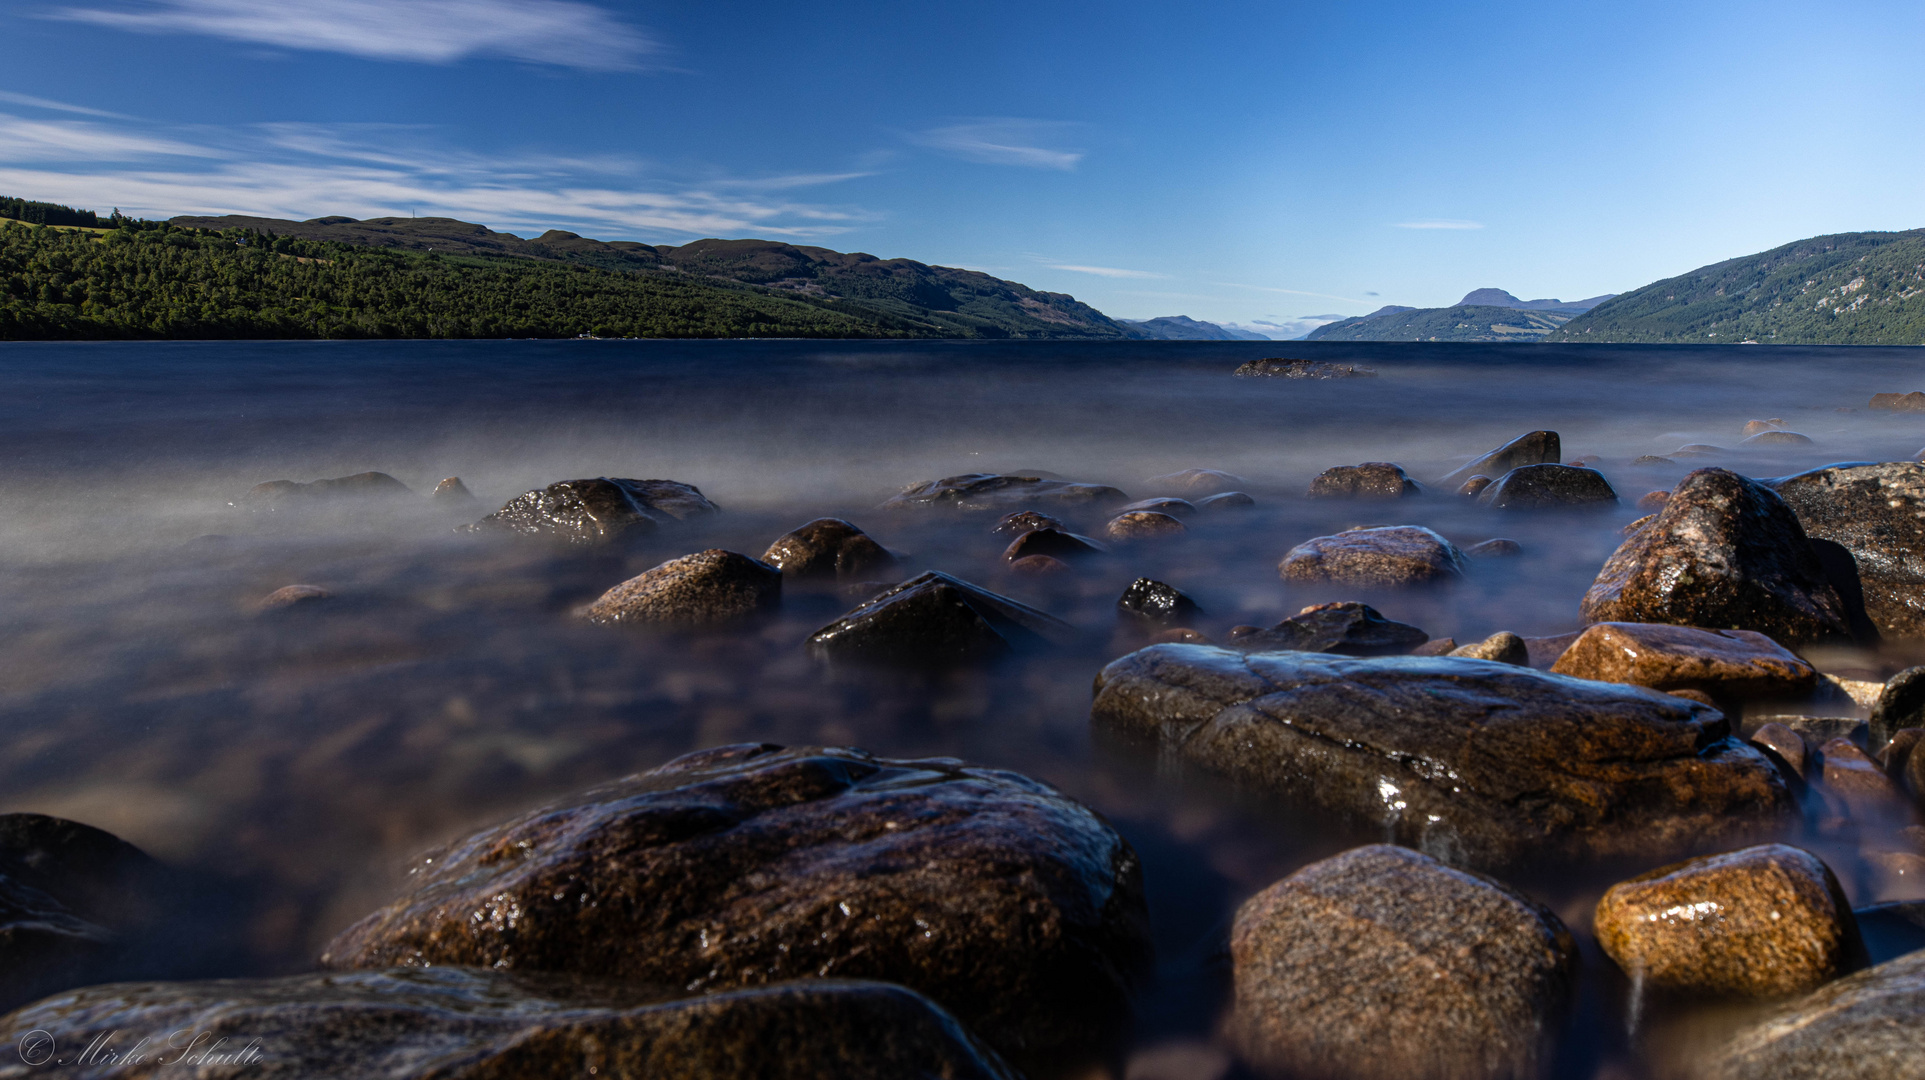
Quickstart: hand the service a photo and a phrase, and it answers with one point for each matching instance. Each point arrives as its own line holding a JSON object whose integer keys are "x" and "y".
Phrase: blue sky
{"x": 1240, "y": 162}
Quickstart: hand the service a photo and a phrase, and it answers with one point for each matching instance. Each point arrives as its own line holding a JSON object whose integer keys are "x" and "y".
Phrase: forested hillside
{"x": 1466, "y": 322}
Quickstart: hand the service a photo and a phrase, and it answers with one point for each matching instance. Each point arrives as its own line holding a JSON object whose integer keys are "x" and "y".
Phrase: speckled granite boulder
{"x": 1014, "y": 907}
{"x": 463, "y": 1023}
{"x": 1371, "y": 480}
{"x": 598, "y": 510}
{"x": 1727, "y": 664}
{"x": 1876, "y": 512}
{"x": 830, "y": 548}
{"x": 1548, "y": 486}
{"x": 1384, "y": 964}
{"x": 1346, "y": 627}
{"x": 1392, "y": 556}
{"x": 1864, "y": 1026}
{"x": 1765, "y": 922}
{"x": 702, "y": 589}
{"x": 1503, "y": 647}
{"x": 1143, "y": 525}
{"x": 1532, "y": 448}
{"x": 934, "y": 619}
{"x": 1724, "y": 553}
{"x": 994, "y": 491}
{"x": 1478, "y": 762}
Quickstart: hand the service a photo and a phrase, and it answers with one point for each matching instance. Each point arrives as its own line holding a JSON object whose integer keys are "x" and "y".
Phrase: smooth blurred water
{"x": 301, "y": 759}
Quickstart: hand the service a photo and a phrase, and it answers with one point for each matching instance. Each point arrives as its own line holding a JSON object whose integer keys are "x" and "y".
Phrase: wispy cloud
{"x": 66, "y": 140}
{"x": 1288, "y": 292}
{"x": 57, "y": 106}
{"x": 1103, "y": 271}
{"x": 1438, "y": 224}
{"x": 558, "y": 32}
{"x": 1034, "y": 144}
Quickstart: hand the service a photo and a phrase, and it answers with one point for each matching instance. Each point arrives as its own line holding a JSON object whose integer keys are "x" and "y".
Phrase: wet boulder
{"x": 829, "y": 549}
{"x": 998, "y": 492}
{"x": 1371, "y": 480}
{"x": 598, "y": 510}
{"x": 1533, "y": 448}
{"x": 364, "y": 487}
{"x": 1877, "y": 513}
{"x": 1856, "y": 777}
{"x": 1014, "y": 907}
{"x": 1229, "y": 500}
{"x": 934, "y": 619}
{"x": 1730, "y": 665}
{"x": 1503, "y": 647}
{"x": 1176, "y": 508}
{"x": 1153, "y": 603}
{"x": 1474, "y": 486}
{"x": 446, "y": 1022}
{"x": 1384, "y": 964}
{"x": 1900, "y": 704}
{"x": 703, "y": 589}
{"x": 1478, "y": 762}
{"x": 1393, "y": 556}
{"x": 1143, "y": 525}
{"x": 1347, "y": 628}
{"x": 1861, "y": 1027}
{"x": 1055, "y": 543}
{"x": 1788, "y": 746}
{"x": 1191, "y": 483}
{"x": 1765, "y": 922}
{"x": 1724, "y": 552}
{"x": 1023, "y": 521}
{"x": 1541, "y": 487}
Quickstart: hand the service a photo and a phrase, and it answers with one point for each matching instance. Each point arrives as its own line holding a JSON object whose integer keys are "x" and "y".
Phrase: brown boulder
{"x": 1777, "y": 438}
{"x": 1877, "y": 513}
{"x": 1143, "y": 525}
{"x": 1786, "y": 744}
{"x": 705, "y": 588}
{"x": 994, "y": 491}
{"x": 597, "y": 511}
{"x": 1501, "y": 547}
{"x": 1383, "y": 964}
{"x": 1912, "y": 402}
{"x": 1730, "y": 665}
{"x": 1852, "y": 775}
{"x": 1278, "y": 367}
{"x": 1194, "y": 482}
{"x": 1474, "y": 486}
{"x": 276, "y": 495}
{"x": 1548, "y": 486}
{"x": 1023, "y": 521}
{"x": 1653, "y": 501}
{"x": 1900, "y": 704}
{"x": 1861, "y": 1027}
{"x": 1533, "y": 448}
{"x": 1764, "y": 922}
{"x": 1229, "y": 500}
{"x": 1388, "y": 556}
{"x": 1371, "y": 480}
{"x": 288, "y": 596}
{"x": 1503, "y": 647}
{"x": 1753, "y": 427}
{"x": 829, "y": 548}
{"x": 1038, "y": 565}
{"x": 452, "y": 494}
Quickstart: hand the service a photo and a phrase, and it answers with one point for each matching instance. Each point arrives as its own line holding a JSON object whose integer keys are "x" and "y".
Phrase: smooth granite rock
{"x": 1371, "y": 480}
{"x": 1856, "y": 777}
{"x": 1173, "y": 507}
{"x": 1228, "y": 500}
{"x": 997, "y": 492}
{"x": 1392, "y": 556}
{"x": 1503, "y": 647}
{"x": 1383, "y": 964}
{"x": 1014, "y": 907}
{"x": 1191, "y": 483}
{"x": 1777, "y": 438}
{"x": 1532, "y": 448}
{"x": 1724, "y": 553}
{"x": 1864, "y": 1026}
{"x": 1877, "y": 513}
{"x": 1548, "y": 486}
{"x": 466, "y": 1023}
{"x": 830, "y": 549}
{"x": 1153, "y": 603}
{"x": 1764, "y": 922}
{"x": 1055, "y": 543}
{"x": 1347, "y": 628}
{"x": 1474, "y": 761}
{"x": 1143, "y": 525}
{"x": 935, "y": 619}
{"x": 1501, "y": 547}
{"x": 1730, "y": 665}
{"x": 1788, "y": 746}
{"x": 703, "y": 589}
{"x": 598, "y": 510}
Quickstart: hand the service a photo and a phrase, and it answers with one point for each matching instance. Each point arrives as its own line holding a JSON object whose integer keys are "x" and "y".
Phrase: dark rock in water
{"x": 702, "y": 589}
{"x": 1473, "y": 761}
{"x": 1901, "y": 704}
{"x": 1861, "y": 1027}
{"x": 1191, "y": 483}
{"x": 1753, "y": 427}
{"x": 1725, "y": 552}
{"x": 1143, "y": 525}
{"x": 1730, "y": 665}
{"x": 1545, "y": 651}
{"x": 1229, "y": 500}
{"x": 1023, "y": 521}
{"x": 934, "y": 619}
{"x": 992, "y": 491}
{"x": 1176, "y": 508}
{"x": 1876, "y": 512}
{"x": 1788, "y": 745}
{"x": 1157, "y": 604}
{"x": 598, "y": 510}
{"x": 1371, "y": 480}
{"x": 1498, "y": 548}
{"x": 1534, "y": 448}
{"x": 286, "y": 494}
{"x": 1777, "y": 438}
{"x": 1537, "y": 487}
{"x": 1765, "y": 922}
{"x": 1038, "y": 565}
{"x": 1475, "y": 486}
{"x": 829, "y": 548}
{"x": 451, "y": 494}
{"x": 1854, "y": 776}
{"x": 1503, "y": 647}
{"x": 1056, "y": 543}
{"x": 1698, "y": 450}
{"x": 1348, "y": 628}
{"x": 1652, "y": 459}
{"x": 1384, "y": 964}
{"x": 1391, "y": 556}
{"x": 289, "y": 595}
{"x": 446, "y": 1022}
{"x": 1014, "y": 907}
{"x": 1912, "y": 402}
{"x": 1281, "y": 368}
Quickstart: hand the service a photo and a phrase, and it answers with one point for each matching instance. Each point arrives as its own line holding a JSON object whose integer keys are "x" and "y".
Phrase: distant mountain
{"x": 1387, "y": 309}
{"x": 1474, "y": 322}
{"x": 1184, "y": 328}
{"x": 1863, "y": 288}
{"x": 1500, "y": 298}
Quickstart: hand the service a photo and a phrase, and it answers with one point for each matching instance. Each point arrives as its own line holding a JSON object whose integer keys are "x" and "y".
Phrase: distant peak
{"x": 1490, "y": 298}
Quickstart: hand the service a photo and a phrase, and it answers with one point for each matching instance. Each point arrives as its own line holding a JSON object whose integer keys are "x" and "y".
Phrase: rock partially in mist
{"x": 1394, "y": 556}
{"x": 1477, "y": 762}
{"x": 1725, "y": 552}
{"x": 1347, "y": 628}
{"x": 1153, "y": 603}
{"x": 1281, "y": 368}
{"x": 1171, "y": 507}
{"x": 1038, "y": 566}
{"x": 1143, "y": 525}
{"x": 1855, "y": 777}
{"x": 1055, "y": 543}
{"x": 597, "y": 511}
{"x": 997, "y": 492}
{"x": 367, "y": 487}
{"x": 288, "y": 596}
{"x": 1651, "y": 460}
{"x": 1876, "y": 512}
{"x": 1729, "y": 665}
{"x": 1191, "y": 483}
{"x": 1229, "y": 500}
{"x": 935, "y": 620}
{"x": 1698, "y": 450}
{"x": 1861, "y": 1027}
{"x": 1475, "y": 485}
{"x": 1023, "y": 521}
{"x": 1503, "y": 647}
{"x": 704, "y": 589}
{"x": 1912, "y": 402}
{"x": 453, "y": 496}
{"x": 1777, "y": 438}
{"x": 1384, "y": 964}
{"x": 829, "y": 549}
{"x": 1543, "y": 487}
{"x": 1765, "y": 922}
{"x": 1014, "y": 907}
{"x": 1371, "y": 480}
{"x": 1653, "y": 501}
{"x": 1900, "y": 704}
{"x": 1785, "y": 744}
{"x": 1753, "y": 427}
{"x": 410, "y": 1023}
{"x": 1497, "y": 548}
{"x": 1531, "y": 448}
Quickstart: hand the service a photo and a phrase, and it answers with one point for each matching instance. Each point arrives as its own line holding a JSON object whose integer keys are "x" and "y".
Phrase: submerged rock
{"x": 1777, "y": 438}
{"x": 1347, "y": 628}
{"x": 1764, "y": 922}
{"x": 1753, "y": 427}
{"x": 1537, "y": 487}
{"x": 1383, "y": 964}
{"x": 1533, "y": 448}
{"x": 1474, "y": 486}
{"x": 702, "y": 589}
{"x": 1143, "y": 525}
{"x": 1281, "y": 368}
{"x": 286, "y": 494}
{"x": 1877, "y": 513}
{"x": 1504, "y": 647}
{"x": 994, "y": 491}
{"x": 1056, "y": 543}
{"x": 1229, "y": 500}
{"x": 1900, "y": 704}
{"x": 1194, "y": 482}
{"x": 1861, "y": 1027}
{"x": 1157, "y": 604}
{"x": 1650, "y": 460}
{"x": 1386, "y": 557}
{"x": 453, "y": 495}
{"x": 829, "y": 548}
{"x": 1912, "y": 402}
{"x": 447, "y": 1022}
{"x": 1176, "y": 508}
{"x": 1725, "y": 552}
{"x": 598, "y": 510}
{"x": 1038, "y": 565}
{"x": 1473, "y": 761}
{"x": 934, "y": 619}
{"x": 1371, "y": 480}
{"x": 1014, "y": 907}
{"x": 1727, "y": 664}
{"x": 1497, "y": 548}
{"x": 1023, "y": 521}
{"x": 288, "y": 596}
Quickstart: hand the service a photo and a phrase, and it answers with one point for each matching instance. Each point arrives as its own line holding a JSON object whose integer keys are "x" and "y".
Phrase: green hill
{"x": 1465, "y": 322}
{"x": 1848, "y": 289}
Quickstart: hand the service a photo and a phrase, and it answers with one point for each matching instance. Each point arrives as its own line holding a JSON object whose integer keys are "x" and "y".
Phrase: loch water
{"x": 295, "y": 763}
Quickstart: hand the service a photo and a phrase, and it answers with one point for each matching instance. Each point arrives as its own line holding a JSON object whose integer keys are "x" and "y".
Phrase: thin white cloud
{"x": 66, "y": 140}
{"x": 57, "y": 106}
{"x": 1287, "y": 292}
{"x": 1438, "y": 224}
{"x": 1103, "y": 271}
{"x": 559, "y": 32}
{"x": 1033, "y": 144}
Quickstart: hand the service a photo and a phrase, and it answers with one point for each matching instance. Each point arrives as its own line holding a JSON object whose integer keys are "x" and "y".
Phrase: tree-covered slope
{"x": 1847, "y": 289}
{"x": 1471, "y": 322}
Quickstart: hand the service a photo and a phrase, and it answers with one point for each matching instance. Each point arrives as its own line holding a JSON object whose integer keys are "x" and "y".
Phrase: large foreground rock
{"x": 1532, "y": 448}
{"x": 463, "y": 1023}
{"x": 1014, "y": 907}
{"x": 1384, "y": 964}
{"x": 1474, "y": 761}
{"x": 703, "y": 589}
{"x": 830, "y": 549}
{"x": 935, "y": 619}
{"x": 1876, "y": 512}
{"x": 1861, "y": 1027}
{"x": 1724, "y": 553}
{"x": 994, "y": 491}
{"x": 1392, "y": 556}
{"x": 1730, "y": 665}
{"x": 598, "y": 510}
